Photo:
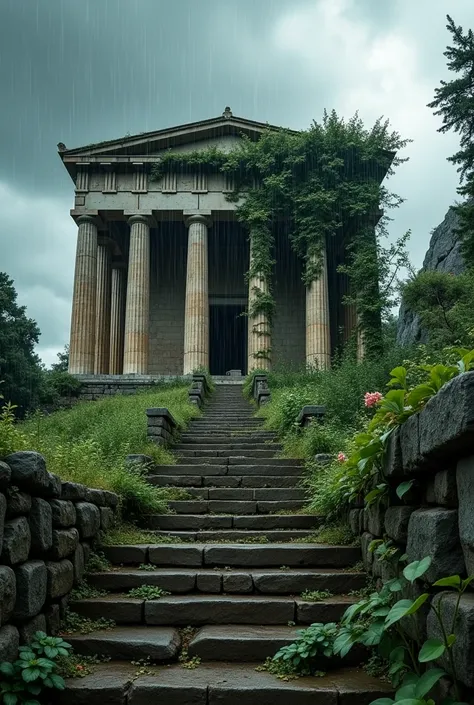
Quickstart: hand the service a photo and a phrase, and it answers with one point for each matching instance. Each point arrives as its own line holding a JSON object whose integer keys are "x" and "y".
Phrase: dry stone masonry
{"x": 46, "y": 530}
{"x": 435, "y": 449}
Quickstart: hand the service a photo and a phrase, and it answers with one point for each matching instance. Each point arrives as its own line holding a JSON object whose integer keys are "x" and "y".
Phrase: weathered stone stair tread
{"x": 176, "y": 522}
{"x": 225, "y": 481}
{"x": 235, "y": 581}
{"x": 189, "y": 468}
{"x": 236, "y": 642}
{"x": 236, "y": 460}
{"x": 125, "y": 643}
{"x": 248, "y": 493}
{"x": 225, "y": 440}
{"x": 252, "y": 555}
{"x": 233, "y": 506}
{"x": 209, "y": 452}
{"x": 219, "y": 684}
{"x": 239, "y": 536}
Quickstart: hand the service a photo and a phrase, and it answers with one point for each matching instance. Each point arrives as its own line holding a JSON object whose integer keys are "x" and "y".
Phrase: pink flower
{"x": 371, "y": 398}
{"x": 341, "y": 457}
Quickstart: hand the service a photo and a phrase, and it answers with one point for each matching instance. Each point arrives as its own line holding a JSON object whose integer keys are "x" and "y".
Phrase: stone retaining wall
{"x": 435, "y": 449}
{"x": 101, "y": 386}
{"x": 47, "y": 528}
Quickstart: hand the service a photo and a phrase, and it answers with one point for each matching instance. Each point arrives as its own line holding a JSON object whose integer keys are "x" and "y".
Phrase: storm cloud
{"x": 82, "y": 72}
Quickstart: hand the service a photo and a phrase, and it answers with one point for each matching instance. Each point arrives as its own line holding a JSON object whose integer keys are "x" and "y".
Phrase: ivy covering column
{"x": 196, "y": 314}
{"x": 259, "y": 325}
{"x": 318, "y": 337}
{"x": 82, "y": 342}
{"x": 135, "y": 358}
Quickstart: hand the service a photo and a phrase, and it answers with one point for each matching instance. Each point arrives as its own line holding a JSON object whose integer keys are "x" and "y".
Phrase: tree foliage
{"x": 454, "y": 102}
{"x": 20, "y": 368}
{"x": 323, "y": 182}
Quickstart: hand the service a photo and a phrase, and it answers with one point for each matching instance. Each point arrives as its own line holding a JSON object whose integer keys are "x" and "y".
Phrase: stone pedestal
{"x": 83, "y": 319}
{"x": 259, "y": 332}
{"x": 196, "y": 317}
{"x": 102, "y": 331}
{"x": 135, "y": 358}
{"x": 117, "y": 320}
{"x": 318, "y": 340}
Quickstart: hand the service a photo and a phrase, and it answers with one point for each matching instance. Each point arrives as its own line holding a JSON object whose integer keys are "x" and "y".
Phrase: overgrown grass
{"x": 89, "y": 443}
{"x": 126, "y": 534}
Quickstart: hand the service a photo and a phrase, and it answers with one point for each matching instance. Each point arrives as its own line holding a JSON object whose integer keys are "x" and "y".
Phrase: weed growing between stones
{"x": 147, "y": 567}
{"x": 316, "y": 595}
{"x": 77, "y": 666}
{"x": 144, "y": 668}
{"x": 356, "y": 568}
{"x": 84, "y": 591}
{"x": 35, "y": 671}
{"x": 148, "y": 592}
{"x": 186, "y": 635}
{"x": 74, "y": 623}
{"x": 124, "y": 534}
{"x": 97, "y": 563}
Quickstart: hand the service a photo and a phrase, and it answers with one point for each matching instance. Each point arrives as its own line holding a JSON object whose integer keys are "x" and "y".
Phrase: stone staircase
{"x": 231, "y": 604}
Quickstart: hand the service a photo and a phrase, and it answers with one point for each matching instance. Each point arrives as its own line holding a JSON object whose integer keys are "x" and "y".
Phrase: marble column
{"x": 196, "y": 313}
{"x": 360, "y": 340}
{"x": 135, "y": 356}
{"x": 117, "y": 319}
{"x": 318, "y": 338}
{"x": 102, "y": 330}
{"x": 259, "y": 333}
{"x": 82, "y": 341}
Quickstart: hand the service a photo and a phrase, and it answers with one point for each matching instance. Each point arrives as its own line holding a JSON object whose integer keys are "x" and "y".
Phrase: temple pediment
{"x": 223, "y": 131}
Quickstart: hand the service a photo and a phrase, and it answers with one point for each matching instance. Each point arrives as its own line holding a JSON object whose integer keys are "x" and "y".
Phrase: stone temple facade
{"x": 160, "y": 286}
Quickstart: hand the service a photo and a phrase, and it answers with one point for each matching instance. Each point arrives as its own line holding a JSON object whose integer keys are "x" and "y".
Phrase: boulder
{"x": 107, "y": 518}
{"x": 87, "y": 519}
{"x": 73, "y": 491}
{"x": 29, "y": 629}
{"x": 3, "y": 511}
{"x": 412, "y": 459}
{"x": 18, "y": 503}
{"x": 445, "y": 488}
{"x": 5, "y": 475}
{"x": 110, "y": 498}
{"x": 9, "y": 643}
{"x": 53, "y": 619}
{"x": 7, "y": 593}
{"x": 65, "y": 542}
{"x": 434, "y": 532}
{"x": 31, "y": 585}
{"x": 396, "y": 522}
{"x": 356, "y": 521}
{"x": 64, "y": 513}
{"x": 465, "y": 491}
{"x": 54, "y": 486}
{"x": 28, "y": 470}
{"x": 16, "y": 541}
{"x": 367, "y": 556}
{"x": 78, "y": 562}
{"x": 375, "y": 519}
{"x": 463, "y": 649}
{"x": 392, "y": 461}
{"x": 96, "y": 497}
{"x": 41, "y": 526}
{"x": 60, "y": 578}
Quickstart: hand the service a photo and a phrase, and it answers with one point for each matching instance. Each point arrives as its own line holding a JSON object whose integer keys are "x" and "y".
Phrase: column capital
{"x": 203, "y": 217}
{"x": 140, "y": 218}
{"x": 87, "y": 218}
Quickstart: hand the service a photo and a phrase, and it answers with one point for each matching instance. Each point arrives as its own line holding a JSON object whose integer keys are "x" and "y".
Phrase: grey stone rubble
{"x": 42, "y": 525}
{"x": 240, "y": 598}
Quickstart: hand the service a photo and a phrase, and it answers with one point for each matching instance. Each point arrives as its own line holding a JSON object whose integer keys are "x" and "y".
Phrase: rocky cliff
{"x": 443, "y": 255}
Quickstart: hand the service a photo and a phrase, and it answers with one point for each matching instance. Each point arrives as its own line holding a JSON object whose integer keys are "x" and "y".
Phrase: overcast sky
{"x": 85, "y": 71}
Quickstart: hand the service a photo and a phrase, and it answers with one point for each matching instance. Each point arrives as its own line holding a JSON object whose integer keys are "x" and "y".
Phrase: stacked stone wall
{"x": 435, "y": 450}
{"x": 102, "y": 386}
{"x": 47, "y": 529}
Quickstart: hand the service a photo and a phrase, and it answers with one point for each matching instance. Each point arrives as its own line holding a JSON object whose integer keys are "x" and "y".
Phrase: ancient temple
{"x": 160, "y": 286}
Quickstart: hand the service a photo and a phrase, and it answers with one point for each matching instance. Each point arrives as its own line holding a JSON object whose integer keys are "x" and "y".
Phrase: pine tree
{"x": 454, "y": 101}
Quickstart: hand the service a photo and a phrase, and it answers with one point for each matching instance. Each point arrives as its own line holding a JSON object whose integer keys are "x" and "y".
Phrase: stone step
{"x": 224, "y": 481}
{"x": 248, "y": 493}
{"x": 222, "y": 423}
{"x": 239, "y": 536}
{"x": 209, "y": 580}
{"x": 225, "y": 470}
{"x": 228, "y": 448}
{"x": 184, "y": 610}
{"x": 234, "y": 555}
{"x": 196, "y": 522}
{"x": 219, "y": 684}
{"x": 231, "y": 506}
{"x": 127, "y": 643}
{"x": 256, "y": 440}
{"x": 204, "y": 451}
{"x": 215, "y": 460}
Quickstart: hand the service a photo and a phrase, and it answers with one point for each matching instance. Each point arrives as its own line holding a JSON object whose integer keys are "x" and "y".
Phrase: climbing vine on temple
{"x": 326, "y": 183}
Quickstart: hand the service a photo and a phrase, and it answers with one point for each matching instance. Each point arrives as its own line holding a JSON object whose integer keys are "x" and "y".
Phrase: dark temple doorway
{"x": 227, "y": 338}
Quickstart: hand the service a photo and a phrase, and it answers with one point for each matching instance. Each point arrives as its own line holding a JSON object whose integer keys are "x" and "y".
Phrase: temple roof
{"x": 147, "y": 143}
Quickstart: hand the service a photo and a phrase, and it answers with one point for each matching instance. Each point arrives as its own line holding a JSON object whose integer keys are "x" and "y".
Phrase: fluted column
{"x": 117, "y": 320}
{"x": 82, "y": 341}
{"x": 259, "y": 333}
{"x": 318, "y": 340}
{"x": 196, "y": 313}
{"x": 135, "y": 357}
{"x": 102, "y": 329}
{"x": 360, "y": 340}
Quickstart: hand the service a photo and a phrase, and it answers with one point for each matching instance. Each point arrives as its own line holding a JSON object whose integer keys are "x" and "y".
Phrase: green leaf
{"x": 399, "y": 377}
{"x": 411, "y": 701}
{"x": 451, "y": 581}
{"x": 58, "y": 681}
{"x": 431, "y": 650}
{"x": 399, "y": 610}
{"x": 451, "y": 640}
{"x": 30, "y": 674}
{"x": 406, "y": 691}
{"x": 382, "y": 701}
{"x": 420, "y": 394}
{"x": 417, "y": 569}
{"x": 7, "y": 669}
{"x": 427, "y": 681}
{"x": 418, "y": 602}
{"x": 397, "y": 655}
{"x": 51, "y": 651}
{"x": 404, "y": 487}
{"x": 465, "y": 583}
{"x": 10, "y": 699}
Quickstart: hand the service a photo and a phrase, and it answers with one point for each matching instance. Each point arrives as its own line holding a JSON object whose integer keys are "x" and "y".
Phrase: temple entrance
{"x": 227, "y": 338}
